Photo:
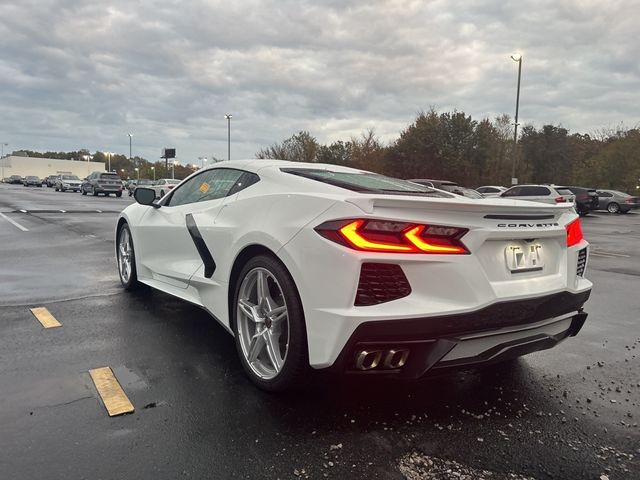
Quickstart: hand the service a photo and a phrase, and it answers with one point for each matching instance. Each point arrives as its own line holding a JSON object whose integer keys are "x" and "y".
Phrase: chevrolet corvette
{"x": 323, "y": 267}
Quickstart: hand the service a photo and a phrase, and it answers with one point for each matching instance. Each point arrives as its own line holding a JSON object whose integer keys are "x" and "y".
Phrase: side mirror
{"x": 145, "y": 196}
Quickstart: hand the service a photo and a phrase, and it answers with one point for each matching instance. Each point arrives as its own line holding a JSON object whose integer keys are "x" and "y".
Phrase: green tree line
{"x": 454, "y": 146}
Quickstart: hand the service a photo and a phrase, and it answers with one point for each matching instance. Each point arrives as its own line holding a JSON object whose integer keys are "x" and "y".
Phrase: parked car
{"x": 323, "y": 267}
{"x": 102, "y": 182}
{"x": 614, "y": 201}
{"x": 16, "y": 179}
{"x": 68, "y": 182}
{"x": 131, "y": 186}
{"x": 446, "y": 185}
{"x": 538, "y": 193}
{"x": 32, "y": 181}
{"x": 586, "y": 199}
{"x": 51, "y": 180}
{"x": 491, "y": 190}
{"x": 468, "y": 192}
{"x": 164, "y": 186}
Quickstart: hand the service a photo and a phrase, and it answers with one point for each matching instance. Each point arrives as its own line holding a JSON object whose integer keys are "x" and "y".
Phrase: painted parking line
{"x": 110, "y": 391}
{"x": 24, "y": 229}
{"x": 45, "y": 317}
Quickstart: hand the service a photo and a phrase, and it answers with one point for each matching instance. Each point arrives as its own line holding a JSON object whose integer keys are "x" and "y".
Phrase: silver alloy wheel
{"x": 124, "y": 255}
{"x": 262, "y": 323}
{"x": 613, "y": 207}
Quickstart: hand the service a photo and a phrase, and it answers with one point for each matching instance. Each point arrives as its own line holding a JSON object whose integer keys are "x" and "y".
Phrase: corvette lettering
{"x": 527, "y": 225}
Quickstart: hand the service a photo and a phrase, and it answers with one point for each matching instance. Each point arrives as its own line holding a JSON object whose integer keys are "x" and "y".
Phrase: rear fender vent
{"x": 380, "y": 283}
{"x": 582, "y": 262}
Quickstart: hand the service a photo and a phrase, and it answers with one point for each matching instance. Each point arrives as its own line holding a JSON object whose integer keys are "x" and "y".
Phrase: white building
{"x": 43, "y": 167}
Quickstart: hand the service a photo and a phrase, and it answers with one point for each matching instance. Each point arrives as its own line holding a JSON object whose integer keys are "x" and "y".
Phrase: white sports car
{"x": 328, "y": 267}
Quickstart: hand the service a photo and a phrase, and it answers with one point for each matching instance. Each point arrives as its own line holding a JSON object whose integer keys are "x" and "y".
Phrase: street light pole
{"x": 130, "y": 136}
{"x": 173, "y": 170}
{"x": 228, "y": 116}
{"x": 2, "y": 145}
{"x": 138, "y": 172}
{"x": 109, "y": 158}
{"x": 153, "y": 169}
{"x": 516, "y": 58}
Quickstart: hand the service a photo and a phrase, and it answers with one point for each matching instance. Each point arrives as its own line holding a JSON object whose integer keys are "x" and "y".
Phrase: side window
{"x": 534, "y": 191}
{"x": 246, "y": 180}
{"x": 512, "y": 192}
{"x": 604, "y": 194}
{"x": 210, "y": 185}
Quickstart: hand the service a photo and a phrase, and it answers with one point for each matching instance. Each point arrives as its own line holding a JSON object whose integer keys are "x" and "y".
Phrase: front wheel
{"x": 95, "y": 194}
{"x": 118, "y": 194}
{"x": 126, "y": 258}
{"x": 269, "y": 325}
{"x": 83, "y": 191}
{"x": 613, "y": 207}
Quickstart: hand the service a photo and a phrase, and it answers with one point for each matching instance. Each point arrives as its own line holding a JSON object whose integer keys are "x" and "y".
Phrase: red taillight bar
{"x": 394, "y": 237}
{"x": 574, "y": 233}
{"x": 560, "y": 200}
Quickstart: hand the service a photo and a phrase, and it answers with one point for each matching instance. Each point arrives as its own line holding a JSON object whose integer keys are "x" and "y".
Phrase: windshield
{"x": 145, "y": 182}
{"x": 364, "y": 182}
{"x": 70, "y": 177}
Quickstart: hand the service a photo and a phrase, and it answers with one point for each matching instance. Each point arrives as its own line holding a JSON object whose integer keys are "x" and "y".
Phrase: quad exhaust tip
{"x": 385, "y": 359}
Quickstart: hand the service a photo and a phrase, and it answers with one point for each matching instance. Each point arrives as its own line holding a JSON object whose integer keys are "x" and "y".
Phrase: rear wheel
{"x": 126, "y": 259}
{"x": 613, "y": 207}
{"x": 84, "y": 192}
{"x": 95, "y": 194}
{"x": 269, "y": 325}
{"x": 118, "y": 194}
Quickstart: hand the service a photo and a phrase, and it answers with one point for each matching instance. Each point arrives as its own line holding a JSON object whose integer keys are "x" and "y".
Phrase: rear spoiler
{"x": 500, "y": 207}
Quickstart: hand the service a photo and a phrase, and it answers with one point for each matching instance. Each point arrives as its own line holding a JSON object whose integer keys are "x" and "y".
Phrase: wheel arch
{"x": 246, "y": 254}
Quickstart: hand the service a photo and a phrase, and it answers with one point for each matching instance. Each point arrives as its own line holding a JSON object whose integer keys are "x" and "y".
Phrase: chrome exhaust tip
{"x": 368, "y": 359}
{"x": 386, "y": 359}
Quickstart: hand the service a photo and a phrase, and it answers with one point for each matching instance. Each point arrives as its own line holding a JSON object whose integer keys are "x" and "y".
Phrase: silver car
{"x": 614, "y": 201}
{"x": 491, "y": 190}
{"x": 539, "y": 193}
{"x": 67, "y": 182}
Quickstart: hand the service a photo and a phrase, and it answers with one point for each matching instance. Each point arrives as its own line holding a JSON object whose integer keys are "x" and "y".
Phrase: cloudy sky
{"x": 82, "y": 74}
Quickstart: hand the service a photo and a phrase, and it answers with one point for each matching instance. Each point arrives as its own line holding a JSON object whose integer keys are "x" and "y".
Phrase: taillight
{"x": 560, "y": 199}
{"x": 394, "y": 237}
{"x": 628, "y": 200}
{"x": 574, "y": 233}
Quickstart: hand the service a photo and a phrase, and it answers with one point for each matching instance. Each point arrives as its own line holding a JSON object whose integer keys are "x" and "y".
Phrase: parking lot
{"x": 570, "y": 412}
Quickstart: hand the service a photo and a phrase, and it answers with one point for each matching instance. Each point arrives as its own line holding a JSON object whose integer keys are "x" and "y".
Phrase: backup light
{"x": 574, "y": 233}
{"x": 394, "y": 237}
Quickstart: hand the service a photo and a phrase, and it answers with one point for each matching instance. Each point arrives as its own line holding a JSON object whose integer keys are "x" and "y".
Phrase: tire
{"x": 118, "y": 194}
{"x": 126, "y": 255}
{"x": 83, "y": 191}
{"x": 613, "y": 207}
{"x": 95, "y": 194}
{"x": 292, "y": 366}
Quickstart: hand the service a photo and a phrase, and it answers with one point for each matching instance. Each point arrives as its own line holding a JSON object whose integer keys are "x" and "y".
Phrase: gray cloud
{"x": 79, "y": 74}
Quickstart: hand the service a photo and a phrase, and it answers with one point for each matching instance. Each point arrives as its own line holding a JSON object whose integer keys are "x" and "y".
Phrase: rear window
{"x": 365, "y": 182}
{"x": 70, "y": 177}
{"x": 109, "y": 176}
{"x": 564, "y": 191}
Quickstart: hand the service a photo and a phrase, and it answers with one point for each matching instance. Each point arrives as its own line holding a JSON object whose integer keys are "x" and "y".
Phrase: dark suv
{"x": 586, "y": 199}
{"x": 102, "y": 182}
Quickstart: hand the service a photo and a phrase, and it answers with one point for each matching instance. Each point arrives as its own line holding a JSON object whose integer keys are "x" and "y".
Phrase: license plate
{"x": 524, "y": 257}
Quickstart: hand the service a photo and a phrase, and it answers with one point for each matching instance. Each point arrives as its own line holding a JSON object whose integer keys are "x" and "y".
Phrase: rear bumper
{"x": 494, "y": 333}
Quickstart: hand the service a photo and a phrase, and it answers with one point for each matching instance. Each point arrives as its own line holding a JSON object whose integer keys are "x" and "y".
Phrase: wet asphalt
{"x": 570, "y": 412}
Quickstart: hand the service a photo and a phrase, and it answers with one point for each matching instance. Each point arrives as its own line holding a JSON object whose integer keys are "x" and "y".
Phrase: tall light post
{"x": 153, "y": 169}
{"x": 88, "y": 157}
{"x": 173, "y": 169}
{"x": 203, "y": 160}
{"x": 108, "y": 154}
{"x": 228, "y": 116}
{"x": 2, "y": 145}
{"x": 138, "y": 172}
{"x": 130, "y": 137}
{"x": 516, "y": 58}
